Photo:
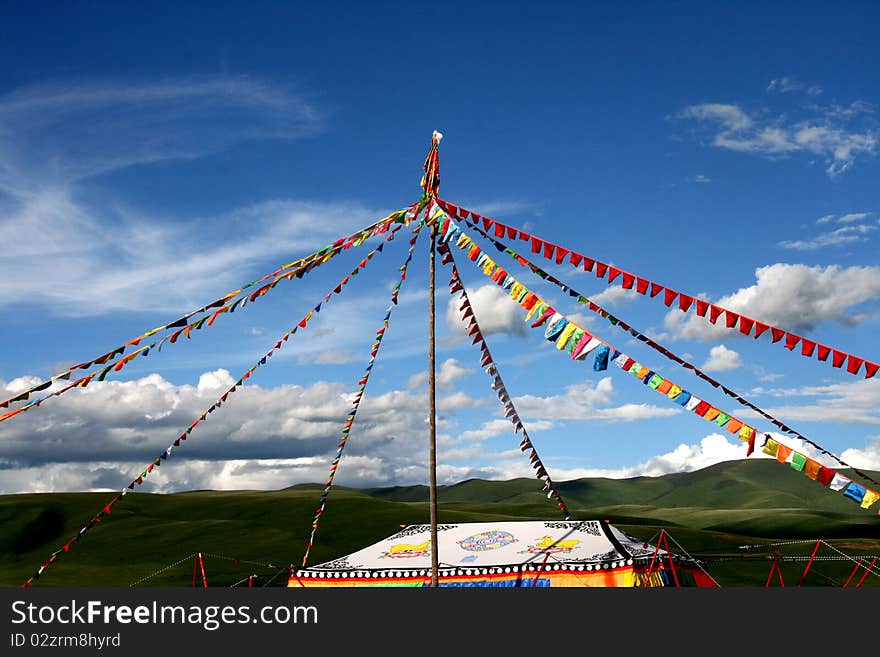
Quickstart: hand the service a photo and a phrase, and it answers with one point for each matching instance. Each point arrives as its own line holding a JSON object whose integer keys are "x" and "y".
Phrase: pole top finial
{"x": 431, "y": 179}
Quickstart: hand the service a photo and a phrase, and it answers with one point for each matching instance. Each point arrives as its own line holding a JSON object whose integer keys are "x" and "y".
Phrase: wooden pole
{"x": 435, "y": 562}
{"x": 431, "y": 185}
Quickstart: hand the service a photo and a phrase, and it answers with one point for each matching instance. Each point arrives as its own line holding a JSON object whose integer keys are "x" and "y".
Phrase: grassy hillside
{"x": 710, "y": 513}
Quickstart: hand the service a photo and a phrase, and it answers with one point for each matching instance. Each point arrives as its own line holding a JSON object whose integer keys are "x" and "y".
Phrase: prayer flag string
{"x": 225, "y": 304}
{"x": 579, "y": 343}
{"x": 684, "y": 302}
{"x": 619, "y": 323}
{"x": 469, "y": 319}
{"x": 137, "y": 481}
{"x": 346, "y": 430}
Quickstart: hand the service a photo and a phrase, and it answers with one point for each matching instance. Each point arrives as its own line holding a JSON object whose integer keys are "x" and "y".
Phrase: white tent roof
{"x": 497, "y": 544}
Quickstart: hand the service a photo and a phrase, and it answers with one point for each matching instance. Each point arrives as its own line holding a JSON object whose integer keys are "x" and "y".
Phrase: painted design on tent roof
{"x": 491, "y": 540}
{"x": 497, "y": 544}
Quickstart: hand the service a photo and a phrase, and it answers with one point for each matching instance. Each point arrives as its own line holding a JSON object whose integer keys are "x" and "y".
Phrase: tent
{"x": 584, "y": 553}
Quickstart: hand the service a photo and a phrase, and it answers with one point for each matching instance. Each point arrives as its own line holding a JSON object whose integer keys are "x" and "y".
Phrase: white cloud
{"x": 825, "y": 219}
{"x": 712, "y": 449}
{"x": 153, "y": 265}
{"x": 827, "y": 135}
{"x": 614, "y": 296}
{"x": 786, "y": 85}
{"x": 494, "y": 428}
{"x": 587, "y": 401}
{"x": 847, "y": 403}
{"x": 458, "y": 400}
{"x": 450, "y": 371}
{"x": 327, "y": 357}
{"x": 700, "y": 178}
{"x": 853, "y": 216}
{"x": 867, "y": 458}
{"x": 108, "y": 255}
{"x": 132, "y": 422}
{"x": 58, "y": 133}
{"x": 795, "y": 297}
{"x": 838, "y": 237}
{"x": 722, "y": 359}
{"x": 494, "y": 310}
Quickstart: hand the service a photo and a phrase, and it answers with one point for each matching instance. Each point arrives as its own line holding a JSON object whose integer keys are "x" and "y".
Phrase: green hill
{"x": 711, "y": 513}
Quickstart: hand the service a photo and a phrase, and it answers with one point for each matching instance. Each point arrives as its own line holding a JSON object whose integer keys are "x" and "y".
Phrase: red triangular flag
{"x": 760, "y": 327}
{"x": 791, "y": 341}
{"x": 669, "y": 296}
{"x": 548, "y": 250}
{"x": 731, "y": 319}
{"x": 702, "y": 307}
{"x": 613, "y": 272}
{"x": 837, "y": 358}
{"x": 745, "y": 324}
{"x": 776, "y": 333}
{"x": 487, "y": 223}
{"x": 656, "y": 288}
{"x": 601, "y": 269}
{"x": 628, "y": 280}
{"x": 511, "y": 233}
{"x": 575, "y": 259}
{"x": 684, "y": 302}
{"x": 641, "y": 285}
{"x": 499, "y": 230}
{"x": 870, "y": 369}
{"x": 536, "y": 244}
{"x": 560, "y": 254}
{"x": 807, "y": 347}
{"x": 715, "y": 313}
{"x": 823, "y": 352}
{"x": 854, "y": 364}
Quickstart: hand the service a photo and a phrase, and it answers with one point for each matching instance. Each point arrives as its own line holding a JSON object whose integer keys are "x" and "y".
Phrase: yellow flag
{"x": 566, "y": 334}
{"x": 869, "y": 498}
{"x": 674, "y": 392}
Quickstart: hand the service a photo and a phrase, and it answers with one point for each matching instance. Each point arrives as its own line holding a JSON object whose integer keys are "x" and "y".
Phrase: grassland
{"x": 711, "y": 513}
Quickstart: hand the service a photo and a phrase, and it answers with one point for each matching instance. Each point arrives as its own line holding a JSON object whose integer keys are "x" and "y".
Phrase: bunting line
{"x": 469, "y": 319}
{"x": 137, "y": 481}
{"x": 346, "y": 431}
{"x": 579, "y": 343}
{"x": 711, "y": 312}
{"x": 224, "y": 304}
{"x": 619, "y": 323}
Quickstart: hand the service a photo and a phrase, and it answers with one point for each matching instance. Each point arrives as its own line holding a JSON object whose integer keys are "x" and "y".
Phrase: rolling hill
{"x": 710, "y": 512}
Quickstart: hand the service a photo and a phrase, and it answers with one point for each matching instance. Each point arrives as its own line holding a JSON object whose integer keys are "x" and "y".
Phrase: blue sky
{"x": 153, "y": 159}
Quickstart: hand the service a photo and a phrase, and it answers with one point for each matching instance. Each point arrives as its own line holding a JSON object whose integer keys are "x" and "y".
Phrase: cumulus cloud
{"x": 450, "y": 371}
{"x": 587, "y": 401}
{"x": 614, "y": 296}
{"x": 134, "y": 421}
{"x": 722, "y": 359}
{"x": 494, "y": 310}
{"x": 867, "y": 458}
{"x": 826, "y": 135}
{"x": 795, "y": 297}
